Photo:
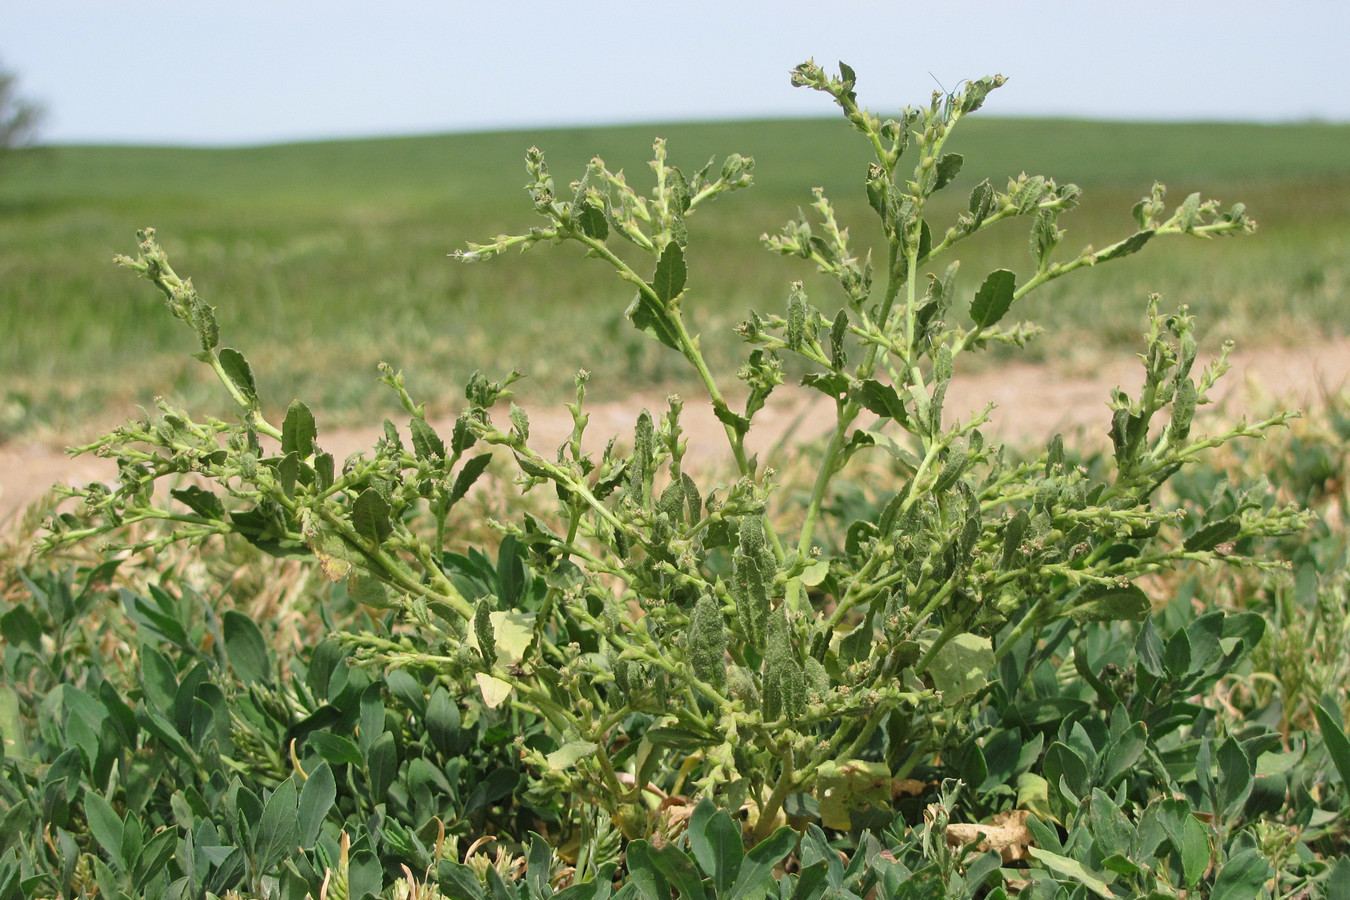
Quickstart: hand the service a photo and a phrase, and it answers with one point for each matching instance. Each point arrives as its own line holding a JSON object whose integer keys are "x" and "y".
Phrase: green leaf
{"x": 569, "y": 754}
{"x": 1062, "y": 761}
{"x": 1334, "y": 739}
{"x": 1338, "y": 880}
{"x": 202, "y": 502}
{"x": 757, "y": 868}
{"x": 511, "y": 582}
{"x": 335, "y": 749}
{"x": 1243, "y": 877}
{"x": 1101, "y": 603}
{"x": 370, "y": 516}
{"x": 981, "y": 204}
{"x": 879, "y": 399}
{"x": 246, "y": 647}
{"x": 106, "y": 828}
{"x": 1132, "y": 244}
{"x": 21, "y": 628}
{"x": 298, "y": 431}
{"x": 739, "y": 423}
{"x": 457, "y": 881}
{"x": 676, "y": 738}
{"x": 1073, "y": 870}
{"x": 443, "y": 722}
{"x": 643, "y": 874}
{"x": 316, "y": 799}
{"x": 947, "y": 168}
{"x": 370, "y": 591}
{"x": 1033, "y": 793}
{"x": 1195, "y": 851}
{"x": 1235, "y": 776}
{"x": 591, "y": 220}
{"x": 427, "y": 444}
{"x": 973, "y": 96}
{"x": 716, "y": 844}
{"x": 962, "y": 666}
{"x": 1122, "y": 753}
{"x": 1149, "y": 648}
{"x": 468, "y": 474}
{"x": 278, "y": 831}
{"x": 679, "y": 870}
{"x": 994, "y": 298}
{"x": 154, "y": 855}
{"x": 537, "y": 868}
{"x": 670, "y": 275}
{"x": 236, "y": 369}
{"x": 382, "y": 759}
{"x": 1177, "y": 656}
{"x": 831, "y": 384}
{"x": 1211, "y": 535}
{"x": 650, "y": 317}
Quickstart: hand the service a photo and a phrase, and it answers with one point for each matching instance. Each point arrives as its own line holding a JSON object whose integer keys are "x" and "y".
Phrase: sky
{"x": 209, "y": 73}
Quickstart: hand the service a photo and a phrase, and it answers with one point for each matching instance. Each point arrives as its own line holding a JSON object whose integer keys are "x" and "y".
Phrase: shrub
{"x": 659, "y": 656}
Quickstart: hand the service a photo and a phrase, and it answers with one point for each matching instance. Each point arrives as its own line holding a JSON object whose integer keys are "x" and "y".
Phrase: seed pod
{"x": 784, "y": 682}
{"x": 981, "y": 204}
{"x": 482, "y": 629}
{"x": 1054, "y": 455}
{"x": 957, "y": 460}
{"x": 752, "y": 600}
{"x": 640, "y": 469}
{"x": 671, "y": 503}
{"x": 520, "y": 422}
{"x": 756, "y": 546}
{"x": 741, "y": 685}
{"x": 894, "y": 614}
{"x": 707, "y": 646}
{"x": 203, "y": 319}
{"x": 1183, "y": 409}
{"x": 691, "y": 497}
{"x": 839, "y": 331}
{"x": 1012, "y": 538}
{"x": 970, "y": 536}
{"x": 817, "y": 678}
{"x": 1045, "y": 496}
{"x": 943, "y": 365}
{"x": 622, "y": 672}
{"x": 796, "y": 321}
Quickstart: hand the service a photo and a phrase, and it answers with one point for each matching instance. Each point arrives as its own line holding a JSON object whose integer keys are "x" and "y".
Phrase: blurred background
{"x": 312, "y": 164}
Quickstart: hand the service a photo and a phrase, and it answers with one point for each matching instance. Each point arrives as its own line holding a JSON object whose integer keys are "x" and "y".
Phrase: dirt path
{"x": 1033, "y": 402}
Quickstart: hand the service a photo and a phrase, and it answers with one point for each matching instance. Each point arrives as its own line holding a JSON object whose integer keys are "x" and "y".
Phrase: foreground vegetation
{"x": 330, "y": 255}
{"x": 914, "y": 665}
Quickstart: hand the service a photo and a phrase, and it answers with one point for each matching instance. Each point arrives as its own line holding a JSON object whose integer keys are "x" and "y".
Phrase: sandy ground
{"x": 1032, "y": 403}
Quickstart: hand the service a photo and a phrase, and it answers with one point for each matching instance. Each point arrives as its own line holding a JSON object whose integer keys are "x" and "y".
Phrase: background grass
{"x": 325, "y": 258}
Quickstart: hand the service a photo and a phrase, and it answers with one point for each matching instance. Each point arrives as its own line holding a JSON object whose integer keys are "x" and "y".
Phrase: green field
{"x": 325, "y": 258}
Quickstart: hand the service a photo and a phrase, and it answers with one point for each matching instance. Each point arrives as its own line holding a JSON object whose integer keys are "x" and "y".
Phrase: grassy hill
{"x": 324, "y": 258}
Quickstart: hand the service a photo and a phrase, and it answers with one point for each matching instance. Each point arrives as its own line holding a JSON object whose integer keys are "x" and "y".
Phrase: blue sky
{"x": 194, "y": 72}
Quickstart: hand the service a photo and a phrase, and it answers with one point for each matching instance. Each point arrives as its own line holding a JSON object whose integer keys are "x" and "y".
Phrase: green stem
{"x": 785, "y": 783}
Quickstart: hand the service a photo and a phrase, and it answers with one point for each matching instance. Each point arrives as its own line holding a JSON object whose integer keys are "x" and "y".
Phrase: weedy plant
{"x": 655, "y": 638}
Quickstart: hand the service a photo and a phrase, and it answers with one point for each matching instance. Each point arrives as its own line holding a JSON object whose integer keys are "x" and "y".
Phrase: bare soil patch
{"x": 1032, "y": 402}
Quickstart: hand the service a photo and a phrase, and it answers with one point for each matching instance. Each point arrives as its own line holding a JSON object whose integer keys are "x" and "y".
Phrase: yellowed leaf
{"x": 495, "y": 691}
{"x": 1007, "y": 833}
